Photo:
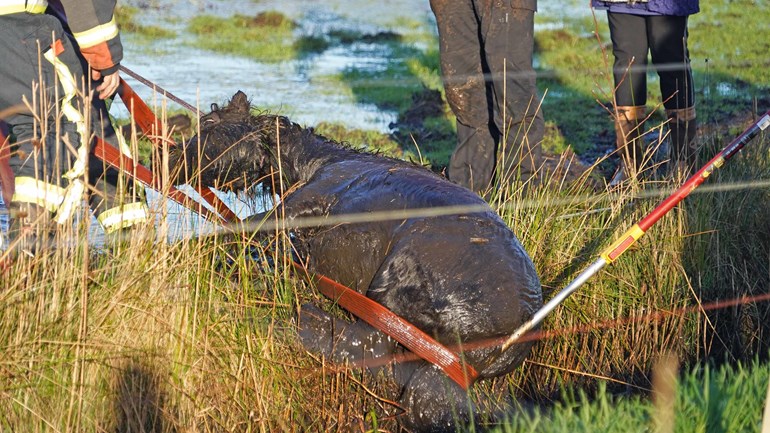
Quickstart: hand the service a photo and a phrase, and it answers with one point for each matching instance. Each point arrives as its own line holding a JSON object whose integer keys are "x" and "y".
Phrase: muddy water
{"x": 295, "y": 88}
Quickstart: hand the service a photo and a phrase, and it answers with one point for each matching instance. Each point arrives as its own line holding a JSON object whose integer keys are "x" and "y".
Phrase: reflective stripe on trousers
{"x": 65, "y": 201}
{"x": 123, "y": 216}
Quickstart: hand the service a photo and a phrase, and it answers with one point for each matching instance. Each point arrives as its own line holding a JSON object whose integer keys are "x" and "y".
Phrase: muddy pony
{"x": 460, "y": 278}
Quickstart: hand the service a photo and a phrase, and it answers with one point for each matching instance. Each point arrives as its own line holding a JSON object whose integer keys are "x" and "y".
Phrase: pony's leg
{"x": 341, "y": 341}
{"x": 434, "y": 403}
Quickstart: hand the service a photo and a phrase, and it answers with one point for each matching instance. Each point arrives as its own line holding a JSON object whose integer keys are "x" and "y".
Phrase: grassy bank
{"x": 708, "y": 399}
{"x": 266, "y": 37}
{"x": 198, "y": 335}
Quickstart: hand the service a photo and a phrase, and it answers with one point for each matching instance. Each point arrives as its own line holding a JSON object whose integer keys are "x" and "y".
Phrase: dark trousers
{"x": 46, "y": 139}
{"x": 665, "y": 39}
{"x": 486, "y": 62}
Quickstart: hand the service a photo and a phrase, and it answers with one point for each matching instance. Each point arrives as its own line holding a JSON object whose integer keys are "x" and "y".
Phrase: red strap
{"x": 144, "y": 117}
{"x": 146, "y": 121}
{"x": 375, "y": 314}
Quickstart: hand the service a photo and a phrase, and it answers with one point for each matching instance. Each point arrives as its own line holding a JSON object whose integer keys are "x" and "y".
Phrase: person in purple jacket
{"x": 657, "y": 27}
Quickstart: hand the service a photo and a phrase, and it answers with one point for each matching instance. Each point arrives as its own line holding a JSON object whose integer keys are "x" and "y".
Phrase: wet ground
{"x": 298, "y": 88}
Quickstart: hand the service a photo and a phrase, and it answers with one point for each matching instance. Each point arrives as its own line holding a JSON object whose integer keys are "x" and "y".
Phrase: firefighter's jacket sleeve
{"x": 93, "y": 24}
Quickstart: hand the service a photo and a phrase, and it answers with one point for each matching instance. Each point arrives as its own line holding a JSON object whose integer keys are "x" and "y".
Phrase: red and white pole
{"x": 638, "y": 230}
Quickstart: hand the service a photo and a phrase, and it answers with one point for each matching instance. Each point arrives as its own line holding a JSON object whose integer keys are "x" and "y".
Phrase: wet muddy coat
{"x": 460, "y": 278}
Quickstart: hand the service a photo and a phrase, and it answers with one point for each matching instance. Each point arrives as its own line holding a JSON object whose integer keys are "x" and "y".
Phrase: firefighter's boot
{"x": 682, "y": 128}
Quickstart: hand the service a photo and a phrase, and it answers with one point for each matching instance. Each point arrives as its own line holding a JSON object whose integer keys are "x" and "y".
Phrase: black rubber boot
{"x": 682, "y": 127}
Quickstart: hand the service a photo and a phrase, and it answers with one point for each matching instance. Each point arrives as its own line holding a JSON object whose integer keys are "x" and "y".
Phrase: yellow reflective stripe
{"x": 72, "y": 199}
{"x": 67, "y": 80}
{"x": 123, "y": 216}
{"x": 98, "y": 34}
{"x": 31, "y": 190}
{"x": 622, "y": 244}
{"x": 18, "y": 6}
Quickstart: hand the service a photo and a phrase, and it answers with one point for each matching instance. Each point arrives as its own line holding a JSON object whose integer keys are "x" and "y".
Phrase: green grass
{"x": 706, "y": 400}
{"x": 126, "y": 18}
{"x": 718, "y": 40}
{"x": 266, "y": 37}
{"x": 392, "y": 87}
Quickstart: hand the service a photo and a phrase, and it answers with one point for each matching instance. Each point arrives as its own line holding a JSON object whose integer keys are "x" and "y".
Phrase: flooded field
{"x": 298, "y": 88}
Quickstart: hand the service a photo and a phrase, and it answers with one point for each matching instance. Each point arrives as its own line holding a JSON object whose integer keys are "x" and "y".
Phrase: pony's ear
{"x": 239, "y": 102}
